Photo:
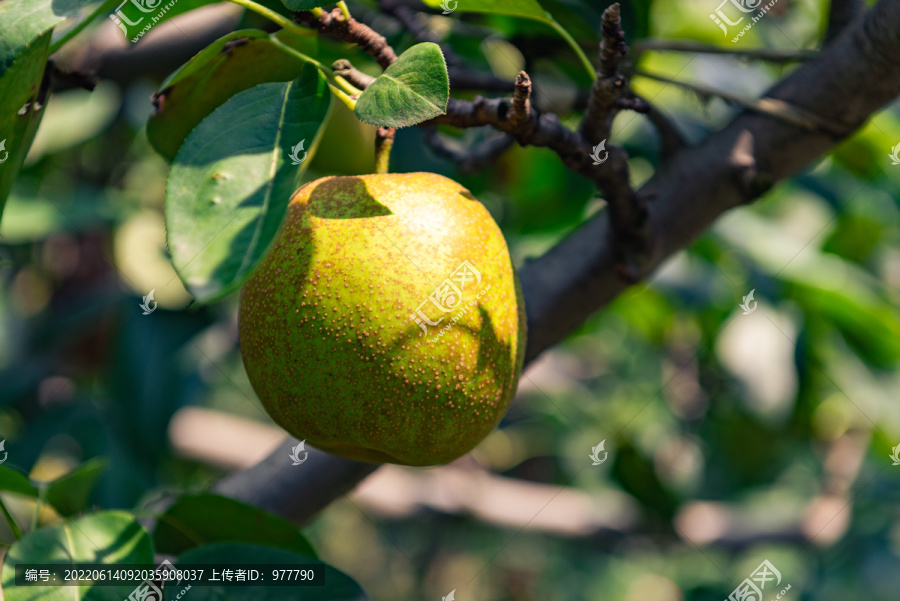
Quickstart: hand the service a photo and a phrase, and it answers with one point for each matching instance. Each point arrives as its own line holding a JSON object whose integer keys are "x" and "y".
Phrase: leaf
{"x": 232, "y": 64}
{"x": 530, "y": 9}
{"x": 204, "y": 518}
{"x": 412, "y": 90}
{"x": 20, "y": 111}
{"x": 231, "y": 181}
{"x": 17, "y": 482}
{"x": 70, "y": 494}
{"x": 136, "y": 17}
{"x": 337, "y": 585}
{"x": 110, "y": 537}
{"x": 26, "y": 20}
{"x": 306, "y": 4}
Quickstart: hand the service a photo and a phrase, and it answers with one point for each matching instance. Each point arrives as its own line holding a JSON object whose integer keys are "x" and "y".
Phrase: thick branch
{"x": 854, "y": 77}
{"x": 840, "y": 14}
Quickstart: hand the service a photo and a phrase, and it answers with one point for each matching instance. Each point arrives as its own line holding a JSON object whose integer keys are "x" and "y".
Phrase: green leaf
{"x": 26, "y": 20}
{"x": 338, "y": 586}
{"x": 70, "y": 494}
{"x": 135, "y": 21}
{"x": 17, "y": 482}
{"x": 24, "y": 47}
{"x": 20, "y": 109}
{"x": 412, "y": 90}
{"x": 306, "y": 4}
{"x": 530, "y": 9}
{"x": 204, "y": 518}
{"x": 232, "y": 64}
{"x": 110, "y": 537}
{"x": 233, "y": 178}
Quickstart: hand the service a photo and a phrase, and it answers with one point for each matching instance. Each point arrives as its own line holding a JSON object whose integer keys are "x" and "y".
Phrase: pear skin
{"x": 386, "y": 324}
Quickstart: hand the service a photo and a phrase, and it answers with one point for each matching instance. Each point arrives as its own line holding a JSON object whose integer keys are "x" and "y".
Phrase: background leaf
{"x": 21, "y": 85}
{"x": 232, "y": 180}
{"x": 231, "y": 64}
{"x": 338, "y": 587}
{"x": 70, "y": 494}
{"x": 25, "y": 20}
{"x": 529, "y": 9}
{"x": 204, "y": 518}
{"x": 110, "y": 537}
{"x": 412, "y": 90}
{"x": 17, "y": 482}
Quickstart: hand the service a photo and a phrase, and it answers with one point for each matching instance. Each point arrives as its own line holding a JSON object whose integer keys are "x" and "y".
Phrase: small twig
{"x": 613, "y": 47}
{"x": 521, "y": 102}
{"x": 350, "y": 30}
{"x": 384, "y": 141}
{"x": 672, "y": 140}
{"x": 609, "y": 86}
{"x": 472, "y": 159}
{"x": 766, "y": 106}
{"x": 357, "y": 78}
{"x": 766, "y": 54}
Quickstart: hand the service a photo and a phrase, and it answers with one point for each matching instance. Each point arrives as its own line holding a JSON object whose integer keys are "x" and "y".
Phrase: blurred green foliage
{"x": 740, "y": 428}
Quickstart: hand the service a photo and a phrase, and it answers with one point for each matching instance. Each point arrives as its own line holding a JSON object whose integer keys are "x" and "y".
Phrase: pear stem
{"x": 384, "y": 141}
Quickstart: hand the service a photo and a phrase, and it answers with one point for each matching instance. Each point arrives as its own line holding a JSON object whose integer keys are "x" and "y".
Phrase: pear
{"x": 386, "y": 324}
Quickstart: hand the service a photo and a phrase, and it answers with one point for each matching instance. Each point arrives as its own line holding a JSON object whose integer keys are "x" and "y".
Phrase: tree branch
{"x": 336, "y": 25}
{"x": 854, "y": 77}
{"x": 840, "y": 14}
{"x": 472, "y": 159}
{"x": 766, "y": 54}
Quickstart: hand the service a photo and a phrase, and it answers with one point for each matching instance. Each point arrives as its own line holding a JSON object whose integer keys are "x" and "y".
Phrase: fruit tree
{"x": 364, "y": 222}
